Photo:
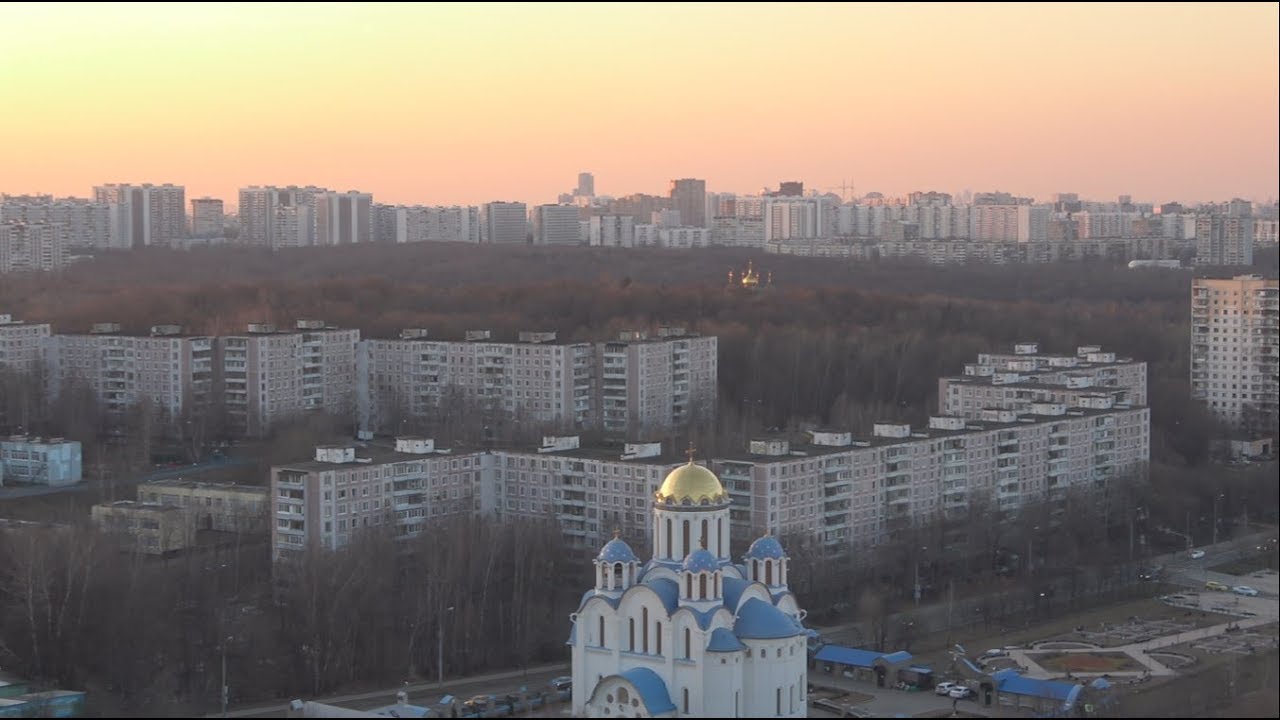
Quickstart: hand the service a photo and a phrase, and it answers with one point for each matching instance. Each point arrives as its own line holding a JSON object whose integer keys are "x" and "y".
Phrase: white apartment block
{"x": 684, "y": 238}
{"x": 416, "y": 223}
{"x": 22, "y": 345}
{"x": 846, "y": 493}
{"x": 171, "y": 370}
{"x": 144, "y": 215}
{"x": 795, "y": 218}
{"x": 504, "y": 222}
{"x": 1223, "y": 239}
{"x": 1266, "y": 233}
{"x": 1010, "y": 223}
{"x": 535, "y": 380}
{"x": 343, "y": 218}
{"x": 32, "y": 247}
{"x": 207, "y": 218}
{"x": 1234, "y": 355}
{"x": 737, "y": 231}
{"x": 323, "y": 502}
{"x": 611, "y": 231}
{"x": 647, "y": 235}
{"x": 84, "y": 224}
{"x": 278, "y": 217}
{"x": 1014, "y": 381}
{"x": 269, "y": 375}
{"x": 556, "y": 225}
{"x": 648, "y": 383}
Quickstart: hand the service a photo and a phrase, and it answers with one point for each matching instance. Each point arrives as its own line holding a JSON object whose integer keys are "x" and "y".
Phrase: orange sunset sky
{"x": 443, "y": 104}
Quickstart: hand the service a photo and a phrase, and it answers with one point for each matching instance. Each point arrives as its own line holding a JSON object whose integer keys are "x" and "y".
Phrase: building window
{"x": 602, "y": 642}
{"x": 644, "y": 631}
{"x": 631, "y": 641}
{"x": 688, "y": 644}
{"x": 686, "y": 701}
{"x": 657, "y": 636}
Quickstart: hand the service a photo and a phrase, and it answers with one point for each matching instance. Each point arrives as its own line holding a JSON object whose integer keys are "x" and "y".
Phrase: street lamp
{"x": 923, "y": 550}
{"x": 226, "y": 691}
{"x": 1220, "y": 496}
{"x": 440, "y": 648}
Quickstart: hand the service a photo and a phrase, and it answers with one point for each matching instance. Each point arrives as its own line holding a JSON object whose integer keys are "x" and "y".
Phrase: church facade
{"x": 689, "y": 633}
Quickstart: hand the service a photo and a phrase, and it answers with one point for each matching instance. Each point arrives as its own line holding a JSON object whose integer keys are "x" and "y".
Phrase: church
{"x": 689, "y": 633}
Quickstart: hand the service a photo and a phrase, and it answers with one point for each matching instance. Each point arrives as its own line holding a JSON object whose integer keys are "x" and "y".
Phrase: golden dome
{"x": 691, "y": 484}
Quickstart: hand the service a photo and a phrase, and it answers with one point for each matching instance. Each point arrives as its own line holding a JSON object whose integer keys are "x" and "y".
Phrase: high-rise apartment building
{"x": 556, "y": 225}
{"x": 22, "y": 345}
{"x": 344, "y": 218}
{"x": 412, "y": 224}
{"x": 37, "y": 246}
{"x": 1235, "y": 360}
{"x": 1266, "y": 233}
{"x": 84, "y": 224}
{"x": 586, "y": 185}
{"x": 689, "y": 196}
{"x": 207, "y": 218}
{"x": 167, "y": 368}
{"x": 504, "y": 222}
{"x": 1225, "y": 238}
{"x": 611, "y": 231}
{"x": 1009, "y": 223}
{"x": 647, "y": 384}
{"x": 795, "y": 219}
{"x": 278, "y": 217}
{"x": 268, "y": 375}
{"x": 144, "y": 215}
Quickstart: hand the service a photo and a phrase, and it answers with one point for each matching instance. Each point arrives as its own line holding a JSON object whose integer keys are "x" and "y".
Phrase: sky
{"x": 448, "y": 104}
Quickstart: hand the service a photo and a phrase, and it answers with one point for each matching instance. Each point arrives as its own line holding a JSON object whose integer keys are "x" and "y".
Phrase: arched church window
{"x": 768, "y": 572}
{"x": 688, "y": 644}
{"x": 702, "y": 586}
{"x": 644, "y": 631}
{"x": 670, "y": 549}
{"x": 602, "y": 642}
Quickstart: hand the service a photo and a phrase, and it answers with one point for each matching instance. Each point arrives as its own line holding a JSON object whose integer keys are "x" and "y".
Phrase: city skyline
{"x": 1133, "y": 106}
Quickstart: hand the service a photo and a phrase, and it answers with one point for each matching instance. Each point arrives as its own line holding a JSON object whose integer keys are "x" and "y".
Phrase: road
{"x": 25, "y": 491}
{"x": 426, "y": 693}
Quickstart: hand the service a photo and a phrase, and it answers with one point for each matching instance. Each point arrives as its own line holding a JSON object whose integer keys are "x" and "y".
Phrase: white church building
{"x": 689, "y": 633}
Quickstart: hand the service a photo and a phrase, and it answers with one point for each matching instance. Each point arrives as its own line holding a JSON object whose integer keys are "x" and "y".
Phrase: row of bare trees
{"x": 78, "y": 611}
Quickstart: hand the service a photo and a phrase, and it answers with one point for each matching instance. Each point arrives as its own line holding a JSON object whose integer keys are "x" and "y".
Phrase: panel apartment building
{"x": 268, "y": 375}
{"x": 536, "y": 379}
{"x": 1235, "y": 353}
{"x": 166, "y": 367}
{"x": 842, "y": 491}
{"x": 22, "y": 345}
{"x": 1013, "y": 381}
{"x": 633, "y": 385}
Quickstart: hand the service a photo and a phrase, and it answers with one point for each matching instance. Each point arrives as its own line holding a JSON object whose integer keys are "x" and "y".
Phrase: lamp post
{"x": 917, "y": 587}
{"x": 1219, "y": 496}
{"x": 226, "y": 691}
{"x": 440, "y": 648}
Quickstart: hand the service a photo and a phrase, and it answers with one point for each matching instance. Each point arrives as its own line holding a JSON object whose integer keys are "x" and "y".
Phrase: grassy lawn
{"x": 1090, "y": 662}
{"x": 1244, "y": 566}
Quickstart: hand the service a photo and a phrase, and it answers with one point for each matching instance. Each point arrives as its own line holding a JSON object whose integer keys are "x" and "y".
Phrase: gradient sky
{"x": 443, "y": 104}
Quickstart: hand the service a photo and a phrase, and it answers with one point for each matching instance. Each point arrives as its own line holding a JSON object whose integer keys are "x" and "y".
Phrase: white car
{"x": 960, "y": 692}
{"x": 1197, "y": 554}
{"x": 945, "y": 688}
{"x": 1245, "y": 590}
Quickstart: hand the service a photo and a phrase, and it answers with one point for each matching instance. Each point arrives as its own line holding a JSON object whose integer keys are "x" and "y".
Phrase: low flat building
{"x": 35, "y": 461}
{"x": 222, "y": 507}
{"x": 154, "y": 529}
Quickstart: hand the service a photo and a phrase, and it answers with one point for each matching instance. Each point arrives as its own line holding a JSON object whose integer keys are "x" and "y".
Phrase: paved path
{"x": 1137, "y": 651}
{"x": 388, "y": 696}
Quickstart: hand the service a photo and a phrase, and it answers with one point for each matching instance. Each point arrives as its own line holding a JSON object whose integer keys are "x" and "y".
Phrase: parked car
{"x": 1245, "y": 590}
{"x": 1215, "y": 585}
{"x": 945, "y": 688}
{"x": 562, "y": 683}
{"x": 960, "y": 692}
{"x": 480, "y": 703}
{"x": 1197, "y": 554}
{"x": 995, "y": 653}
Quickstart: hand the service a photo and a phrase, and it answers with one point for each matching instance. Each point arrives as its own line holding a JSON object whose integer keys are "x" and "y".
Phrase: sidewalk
{"x": 391, "y": 693}
{"x": 1137, "y": 651}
